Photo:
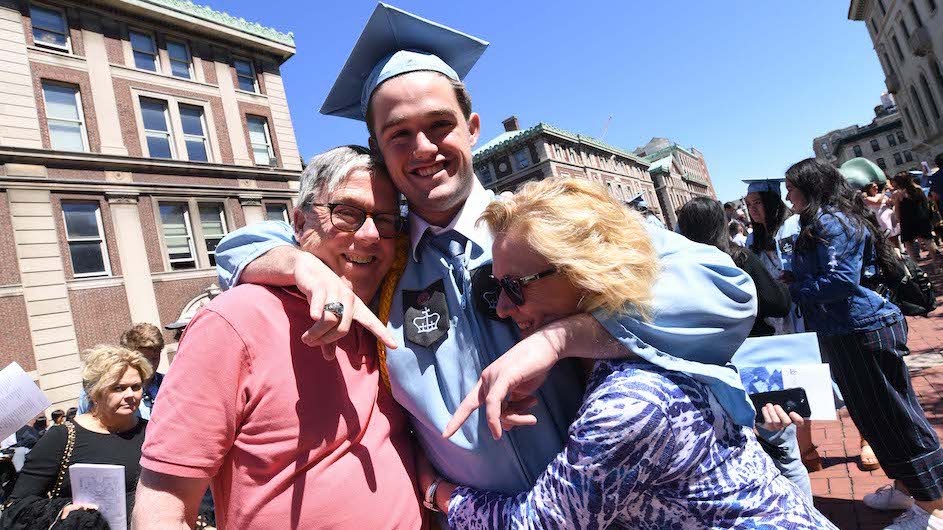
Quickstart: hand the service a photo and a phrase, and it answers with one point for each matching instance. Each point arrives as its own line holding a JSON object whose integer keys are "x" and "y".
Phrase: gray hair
{"x": 328, "y": 170}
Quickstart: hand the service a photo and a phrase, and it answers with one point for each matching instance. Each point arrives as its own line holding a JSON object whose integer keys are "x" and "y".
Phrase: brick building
{"x": 679, "y": 174}
{"x": 133, "y": 135}
{"x": 883, "y": 141}
{"x": 520, "y": 155}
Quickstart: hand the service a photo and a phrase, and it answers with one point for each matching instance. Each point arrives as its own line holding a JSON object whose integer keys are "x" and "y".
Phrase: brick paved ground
{"x": 839, "y": 487}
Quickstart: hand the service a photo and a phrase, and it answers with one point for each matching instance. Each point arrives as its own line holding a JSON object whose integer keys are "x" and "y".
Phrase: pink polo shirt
{"x": 290, "y": 440}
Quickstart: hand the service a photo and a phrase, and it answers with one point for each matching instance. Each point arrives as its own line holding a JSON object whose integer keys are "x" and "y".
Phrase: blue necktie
{"x": 449, "y": 243}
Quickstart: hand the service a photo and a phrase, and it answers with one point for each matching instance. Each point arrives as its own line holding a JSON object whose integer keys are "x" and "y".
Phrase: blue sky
{"x": 750, "y": 84}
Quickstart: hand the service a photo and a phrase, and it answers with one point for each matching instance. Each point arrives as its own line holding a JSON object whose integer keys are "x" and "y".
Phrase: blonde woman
{"x": 651, "y": 447}
{"x": 110, "y": 433}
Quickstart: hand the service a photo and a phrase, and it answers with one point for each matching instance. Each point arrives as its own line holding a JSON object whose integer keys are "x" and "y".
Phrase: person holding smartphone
{"x": 864, "y": 338}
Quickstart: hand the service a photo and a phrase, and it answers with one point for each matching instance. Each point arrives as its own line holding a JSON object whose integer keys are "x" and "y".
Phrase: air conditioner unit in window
{"x": 273, "y": 162}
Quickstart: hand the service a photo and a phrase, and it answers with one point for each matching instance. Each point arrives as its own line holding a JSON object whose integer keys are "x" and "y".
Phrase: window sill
{"x": 53, "y": 49}
{"x": 246, "y": 92}
{"x": 15, "y": 289}
{"x": 96, "y": 282}
{"x": 56, "y": 57}
{"x": 161, "y": 76}
{"x": 183, "y": 275}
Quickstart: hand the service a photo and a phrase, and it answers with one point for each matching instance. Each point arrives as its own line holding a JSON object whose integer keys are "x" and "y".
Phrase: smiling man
{"x": 403, "y": 79}
{"x": 286, "y": 438}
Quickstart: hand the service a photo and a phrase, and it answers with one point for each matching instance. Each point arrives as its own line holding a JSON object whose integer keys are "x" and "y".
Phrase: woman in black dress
{"x": 913, "y": 211}
{"x": 111, "y": 433}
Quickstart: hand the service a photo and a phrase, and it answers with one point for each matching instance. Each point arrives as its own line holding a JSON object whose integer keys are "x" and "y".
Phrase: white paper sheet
{"x": 815, "y": 379}
{"x": 22, "y": 400}
{"x": 101, "y": 485}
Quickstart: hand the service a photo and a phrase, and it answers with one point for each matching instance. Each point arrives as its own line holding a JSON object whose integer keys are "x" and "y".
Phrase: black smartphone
{"x": 791, "y": 400}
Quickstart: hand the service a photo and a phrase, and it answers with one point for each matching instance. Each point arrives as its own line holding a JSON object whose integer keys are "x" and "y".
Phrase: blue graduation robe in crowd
{"x": 704, "y": 309}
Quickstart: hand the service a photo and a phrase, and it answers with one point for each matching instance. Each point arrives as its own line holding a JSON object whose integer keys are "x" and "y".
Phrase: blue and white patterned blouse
{"x": 650, "y": 449}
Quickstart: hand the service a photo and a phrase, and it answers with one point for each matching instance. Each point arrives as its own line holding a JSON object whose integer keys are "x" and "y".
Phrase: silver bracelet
{"x": 429, "y": 500}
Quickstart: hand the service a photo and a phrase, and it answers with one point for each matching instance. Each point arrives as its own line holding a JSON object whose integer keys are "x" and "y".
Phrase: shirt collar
{"x": 465, "y": 223}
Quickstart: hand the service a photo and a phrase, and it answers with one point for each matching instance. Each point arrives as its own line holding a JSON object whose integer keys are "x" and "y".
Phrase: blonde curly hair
{"x": 103, "y": 366}
{"x": 600, "y": 245}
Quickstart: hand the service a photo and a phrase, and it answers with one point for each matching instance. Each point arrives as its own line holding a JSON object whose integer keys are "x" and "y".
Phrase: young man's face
{"x": 426, "y": 143}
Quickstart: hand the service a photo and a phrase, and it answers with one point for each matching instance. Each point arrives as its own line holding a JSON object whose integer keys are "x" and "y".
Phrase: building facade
{"x": 521, "y": 155}
{"x": 679, "y": 174}
{"x": 883, "y": 141}
{"x": 133, "y": 135}
{"x": 908, "y": 39}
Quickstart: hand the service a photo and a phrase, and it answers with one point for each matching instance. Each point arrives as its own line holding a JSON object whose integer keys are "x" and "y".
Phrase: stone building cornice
{"x": 105, "y": 162}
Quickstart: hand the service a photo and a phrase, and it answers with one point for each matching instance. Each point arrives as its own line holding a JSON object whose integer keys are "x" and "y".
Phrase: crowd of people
{"x": 544, "y": 359}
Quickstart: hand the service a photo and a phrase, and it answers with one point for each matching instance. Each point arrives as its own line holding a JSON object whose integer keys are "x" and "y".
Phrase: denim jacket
{"x": 828, "y": 281}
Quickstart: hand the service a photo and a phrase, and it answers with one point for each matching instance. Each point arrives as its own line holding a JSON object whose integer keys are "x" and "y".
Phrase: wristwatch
{"x": 429, "y": 500}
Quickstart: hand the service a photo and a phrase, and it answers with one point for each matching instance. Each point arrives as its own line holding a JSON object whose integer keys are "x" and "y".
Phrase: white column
{"x": 252, "y": 210}
{"x": 103, "y": 92}
{"x": 227, "y": 91}
{"x": 132, "y": 255}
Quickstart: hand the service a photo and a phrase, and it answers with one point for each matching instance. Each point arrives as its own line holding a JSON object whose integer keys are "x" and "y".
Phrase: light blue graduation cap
{"x": 393, "y": 43}
{"x": 761, "y": 185}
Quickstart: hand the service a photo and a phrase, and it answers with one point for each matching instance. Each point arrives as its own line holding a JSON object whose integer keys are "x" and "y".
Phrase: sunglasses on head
{"x": 514, "y": 287}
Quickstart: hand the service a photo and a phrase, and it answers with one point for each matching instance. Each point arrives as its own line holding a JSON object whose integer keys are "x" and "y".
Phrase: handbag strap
{"x": 66, "y": 457}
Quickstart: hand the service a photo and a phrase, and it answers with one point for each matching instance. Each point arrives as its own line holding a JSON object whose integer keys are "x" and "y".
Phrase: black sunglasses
{"x": 347, "y": 218}
{"x": 514, "y": 287}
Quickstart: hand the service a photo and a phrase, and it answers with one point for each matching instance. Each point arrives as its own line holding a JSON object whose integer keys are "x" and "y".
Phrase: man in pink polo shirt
{"x": 284, "y": 437}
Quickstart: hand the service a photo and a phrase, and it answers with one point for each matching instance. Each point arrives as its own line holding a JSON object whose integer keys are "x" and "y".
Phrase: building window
{"x": 213, "y": 224}
{"x": 49, "y": 27}
{"x": 904, "y": 29}
{"x": 931, "y": 4}
{"x": 925, "y": 86}
{"x": 83, "y": 228}
{"x": 900, "y": 137}
{"x": 484, "y": 173}
{"x": 194, "y": 132}
{"x": 178, "y": 235}
{"x": 179, "y": 56}
{"x": 276, "y": 212}
{"x": 157, "y": 133}
{"x": 887, "y": 61}
{"x": 521, "y": 158}
{"x": 883, "y": 9}
{"x": 900, "y": 52}
{"x": 908, "y": 156}
{"x": 891, "y": 141}
{"x": 916, "y": 14}
{"x": 245, "y": 74}
{"x": 857, "y": 150}
{"x": 937, "y": 75}
{"x": 874, "y": 26}
{"x": 898, "y": 159}
{"x": 64, "y": 117}
{"x": 909, "y": 121}
{"x": 920, "y": 112}
{"x": 261, "y": 141}
{"x": 145, "y": 51}
{"x": 875, "y": 146}
{"x": 881, "y": 163}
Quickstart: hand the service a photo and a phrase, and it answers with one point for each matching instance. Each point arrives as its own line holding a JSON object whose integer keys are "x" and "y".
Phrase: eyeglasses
{"x": 347, "y": 218}
{"x": 514, "y": 287}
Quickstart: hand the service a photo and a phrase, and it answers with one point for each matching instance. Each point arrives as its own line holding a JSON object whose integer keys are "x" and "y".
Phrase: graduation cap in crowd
{"x": 638, "y": 202}
{"x": 393, "y": 43}
{"x": 767, "y": 185}
{"x": 861, "y": 172}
